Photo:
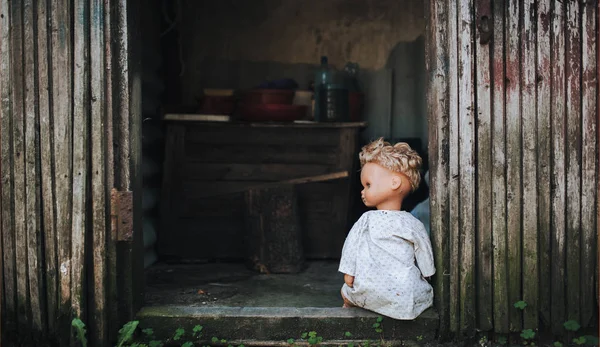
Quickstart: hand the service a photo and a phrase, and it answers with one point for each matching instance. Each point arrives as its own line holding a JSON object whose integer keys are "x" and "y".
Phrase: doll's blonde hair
{"x": 398, "y": 158}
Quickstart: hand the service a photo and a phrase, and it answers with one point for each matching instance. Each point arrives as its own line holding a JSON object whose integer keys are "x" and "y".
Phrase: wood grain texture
{"x": 513, "y": 162}
{"x": 8, "y": 236}
{"x": 466, "y": 144}
{"x": 558, "y": 178}
{"x": 46, "y": 131}
{"x": 573, "y": 159}
{"x": 529, "y": 167}
{"x": 109, "y": 107}
{"x": 63, "y": 147}
{"x": 98, "y": 304}
{"x": 18, "y": 153}
{"x": 437, "y": 110}
{"x": 484, "y": 248}
{"x": 499, "y": 236}
{"x": 32, "y": 175}
{"x": 80, "y": 153}
{"x": 589, "y": 171}
{"x": 454, "y": 167}
{"x": 544, "y": 153}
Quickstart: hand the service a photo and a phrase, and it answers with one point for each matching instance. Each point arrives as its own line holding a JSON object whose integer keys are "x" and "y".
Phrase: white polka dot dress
{"x": 380, "y": 252}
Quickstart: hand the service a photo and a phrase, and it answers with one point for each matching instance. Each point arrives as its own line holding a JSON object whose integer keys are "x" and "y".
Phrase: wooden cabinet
{"x": 206, "y": 162}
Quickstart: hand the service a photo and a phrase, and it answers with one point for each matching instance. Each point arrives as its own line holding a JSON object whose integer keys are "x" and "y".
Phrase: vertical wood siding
{"x": 513, "y": 138}
{"x": 56, "y": 166}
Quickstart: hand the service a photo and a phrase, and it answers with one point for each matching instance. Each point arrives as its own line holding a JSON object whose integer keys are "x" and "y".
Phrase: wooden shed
{"x": 510, "y": 131}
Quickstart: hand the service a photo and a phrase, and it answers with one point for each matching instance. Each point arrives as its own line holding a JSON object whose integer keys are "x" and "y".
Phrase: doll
{"x": 388, "y": 253}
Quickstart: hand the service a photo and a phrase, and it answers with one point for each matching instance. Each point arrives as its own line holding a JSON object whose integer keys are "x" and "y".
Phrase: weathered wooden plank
{"x": 46, "y": 166}
{"x": 466, "y": 143}
{"x": 529, "y": 153}
{"x": 573, "y": 161}
{"x": 543, "y": 156}
{"x": 513, "y": 162}
{"x": 558, "y": 179}
{"x": 232, "y": 134}
{"x": 499, "y": 237}
{"x": 483, "y": 52}
{"x": 98, "y": 309}
{"x": 9, "y": 314}
{"x": 63, "y": 146}
{"x": 454, "y": 166}
{"x": 18, "y": 152}
{"x": 245, "y": 154}
{"x": 80, "y": 153}
{"x": 250, "y": 172}
{"x": 437, "y": 110}
{"x": 588, "y": 160}
{"x": 111, "y": 250}
{"x": 32, "y": 177}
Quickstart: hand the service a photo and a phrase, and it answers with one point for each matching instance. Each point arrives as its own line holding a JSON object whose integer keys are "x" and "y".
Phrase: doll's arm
{"x": 349, "y": 280}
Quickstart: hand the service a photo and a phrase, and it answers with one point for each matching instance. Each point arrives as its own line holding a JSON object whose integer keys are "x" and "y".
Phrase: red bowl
{"x": 272, "y": 112}
{"x": 268, "y": 96}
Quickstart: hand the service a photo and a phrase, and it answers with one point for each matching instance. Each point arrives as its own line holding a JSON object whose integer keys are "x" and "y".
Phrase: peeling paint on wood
{"x": 573, "y": 159}
{"x": 541, "y": 152}
{"x": 558, "y": 182}
{"x": 437, "y": 60}
{"x": 529, "y": 178}
{"x": 589, "y": 168}
{"x": 466, "y": 171}
{"x": 513, "y": 162}
{"x": 483, "y": 128}
{"x": 543, "y": 157}
{"x": 453, "y": 179}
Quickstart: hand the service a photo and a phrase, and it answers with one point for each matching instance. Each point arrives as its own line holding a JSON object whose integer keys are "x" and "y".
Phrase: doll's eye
{"x": 368, "y": 185}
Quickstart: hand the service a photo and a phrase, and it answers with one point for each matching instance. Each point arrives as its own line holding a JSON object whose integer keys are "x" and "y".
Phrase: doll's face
{"x": 379, "y": 184}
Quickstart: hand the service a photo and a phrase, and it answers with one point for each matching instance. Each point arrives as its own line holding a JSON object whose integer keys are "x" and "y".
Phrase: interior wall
{"x": 239, "y": 44}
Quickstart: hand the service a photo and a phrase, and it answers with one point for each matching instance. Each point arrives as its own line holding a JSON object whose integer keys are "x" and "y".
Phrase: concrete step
{"x": 274, "y": 326}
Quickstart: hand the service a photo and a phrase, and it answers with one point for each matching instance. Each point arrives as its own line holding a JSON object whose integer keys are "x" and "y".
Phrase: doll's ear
{"x": 396, "y": 182}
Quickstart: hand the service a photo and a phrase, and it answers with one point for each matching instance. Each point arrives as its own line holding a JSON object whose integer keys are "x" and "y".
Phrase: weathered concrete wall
{"x": 299, "y": 32}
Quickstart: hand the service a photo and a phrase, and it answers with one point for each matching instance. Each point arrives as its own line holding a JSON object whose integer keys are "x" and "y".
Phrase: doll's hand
{"x": 349, "y": 280}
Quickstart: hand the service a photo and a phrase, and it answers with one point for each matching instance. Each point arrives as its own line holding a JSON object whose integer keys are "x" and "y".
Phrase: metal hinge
{"x": 121, "y": 213}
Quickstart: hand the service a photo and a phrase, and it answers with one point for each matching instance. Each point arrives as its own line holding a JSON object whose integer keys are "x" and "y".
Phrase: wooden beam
{"x": 301, "y": 180}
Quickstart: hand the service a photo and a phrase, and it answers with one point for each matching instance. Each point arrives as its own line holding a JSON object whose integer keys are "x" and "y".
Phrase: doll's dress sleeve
{"x": 350, "y": 250}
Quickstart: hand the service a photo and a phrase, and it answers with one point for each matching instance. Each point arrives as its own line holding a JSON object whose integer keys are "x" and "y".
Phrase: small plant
{"x": 197, "y": 331}
{"x": 350, "y": 345}
{"x": 581, "y": 340}
{"x": 214, "y": 339}
{"x": 557, "y": 344}
{"x": 188, "y": 344}
{"x": 155, "y": 343}
{"x": 528, "y": 334}
{"x": 79, "y": 331}
{"x": 313, "y": 339}
{"x": 420, "y": 338}
{"x": 520, "y": 305}
{"x": 571, "y": 325}
{"x": 502, "y": 340}
{"x": 291, "y": 341}
{"x": 126, "y": 333}
{"x": 377, "y": 325}
{"x": 348, "y": 334}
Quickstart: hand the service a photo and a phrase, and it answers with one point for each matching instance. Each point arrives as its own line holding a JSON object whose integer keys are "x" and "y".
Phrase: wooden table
{"x": 205, "y": 162}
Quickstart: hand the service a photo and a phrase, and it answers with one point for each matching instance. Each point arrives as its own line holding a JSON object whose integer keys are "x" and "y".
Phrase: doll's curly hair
{"x": 398, "y": 158}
